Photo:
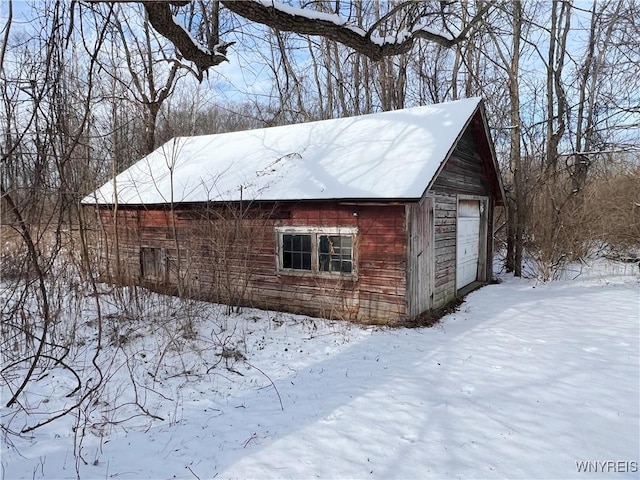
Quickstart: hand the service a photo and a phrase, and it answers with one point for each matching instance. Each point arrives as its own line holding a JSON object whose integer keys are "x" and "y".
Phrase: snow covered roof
{"x": 390, "y": 155}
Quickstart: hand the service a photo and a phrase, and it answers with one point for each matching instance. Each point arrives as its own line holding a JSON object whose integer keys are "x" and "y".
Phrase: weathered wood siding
{"x": 420, "y": 271}
{"x": 210, "y": 255}
{"x": 444, "y": 249}
{"x": 465, "y": 171}
{"x": 466, "y": 174}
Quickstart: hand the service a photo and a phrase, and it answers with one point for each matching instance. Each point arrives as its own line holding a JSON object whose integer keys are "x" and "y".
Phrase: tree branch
{"x": 164, "y": 23}
{"x": 333, "y": 27}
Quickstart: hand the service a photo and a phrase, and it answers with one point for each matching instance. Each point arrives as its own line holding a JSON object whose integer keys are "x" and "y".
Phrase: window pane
{"x": 297, "y": 243}
{"x": 306, "y": 261}
{"x": 287, "y": 260}
{"x": 324, "y": 262}
{"x": 323, "y": 244}
{"x": 306, "y": 243}
{"x": 296, "y": 251}
{"x": 335, "y": 265}
{"x": 297, "y": 261}
{"x": 335, "y": 253}
{"x": 287, "y": 243}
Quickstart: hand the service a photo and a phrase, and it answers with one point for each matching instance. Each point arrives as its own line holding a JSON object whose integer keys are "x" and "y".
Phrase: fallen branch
{"x": 270, "y": 381}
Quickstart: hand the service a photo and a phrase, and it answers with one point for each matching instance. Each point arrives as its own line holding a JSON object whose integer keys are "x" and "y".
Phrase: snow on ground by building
{"x": 526, "y": 380}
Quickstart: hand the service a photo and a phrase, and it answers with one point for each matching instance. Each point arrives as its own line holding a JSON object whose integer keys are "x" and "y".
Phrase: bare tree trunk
{"x": 320, "y": 93}
{"x": 520, "y": 210}
{"x": 151, "y": 121}
{"x": 588, "y": 91}
{"x": 517, "y": 193}
{"x": 556, "y": 97}
{"x": 340, "y": 81}
{"x": 142, "y": 65}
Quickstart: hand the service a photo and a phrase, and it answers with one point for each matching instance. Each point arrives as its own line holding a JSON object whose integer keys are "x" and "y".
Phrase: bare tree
{"x": 45, "y": 142}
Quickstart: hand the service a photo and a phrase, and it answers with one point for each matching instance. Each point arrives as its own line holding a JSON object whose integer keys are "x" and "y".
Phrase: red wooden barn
{"x": 376, "y": 218}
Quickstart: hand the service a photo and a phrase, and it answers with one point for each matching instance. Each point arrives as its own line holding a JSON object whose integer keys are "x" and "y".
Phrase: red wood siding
{"x": 223, "y": 260}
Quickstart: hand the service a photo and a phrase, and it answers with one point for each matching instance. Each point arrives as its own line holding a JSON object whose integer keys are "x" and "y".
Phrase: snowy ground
{"x": 526, "y": 380}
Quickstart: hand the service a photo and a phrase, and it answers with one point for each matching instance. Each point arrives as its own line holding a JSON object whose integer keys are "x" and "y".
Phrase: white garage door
{"x": 468, "y": 242}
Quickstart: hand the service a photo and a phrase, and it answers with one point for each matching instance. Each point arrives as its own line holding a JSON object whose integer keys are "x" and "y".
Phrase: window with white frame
{"x": 296, "y": 251}
{"x": 316, "y": 249}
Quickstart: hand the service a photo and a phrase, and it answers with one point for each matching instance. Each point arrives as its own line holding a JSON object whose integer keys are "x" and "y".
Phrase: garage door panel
{"x": 468, "y": 242}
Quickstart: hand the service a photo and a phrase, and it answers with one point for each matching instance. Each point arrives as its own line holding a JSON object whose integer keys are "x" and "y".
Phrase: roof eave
{"x": 342, "y": 200}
